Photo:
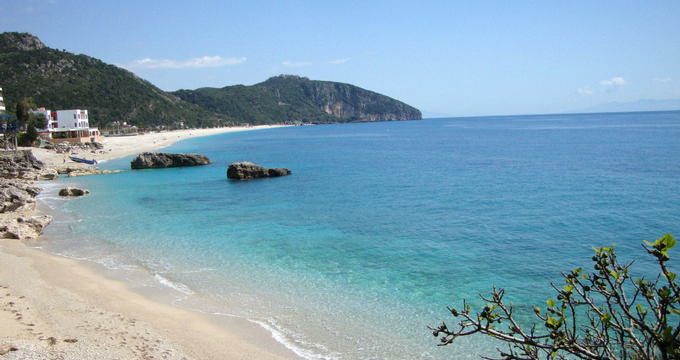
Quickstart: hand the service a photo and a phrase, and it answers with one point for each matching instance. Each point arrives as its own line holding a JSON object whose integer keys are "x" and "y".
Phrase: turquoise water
{"x": 382, "y": 225}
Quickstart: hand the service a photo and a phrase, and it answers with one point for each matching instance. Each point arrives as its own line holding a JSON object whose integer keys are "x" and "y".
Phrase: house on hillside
{"x": 68, "y": 126}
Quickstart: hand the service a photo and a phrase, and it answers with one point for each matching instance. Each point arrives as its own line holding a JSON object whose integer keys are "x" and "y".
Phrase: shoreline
{"x": 52, "y": 305}
{"x": 122, "y": 146}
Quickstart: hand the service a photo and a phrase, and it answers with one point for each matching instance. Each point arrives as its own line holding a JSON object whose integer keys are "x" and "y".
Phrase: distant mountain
{"x": 290, "y": 98}
{"x": 57, "y": 80}
{"x": 61, "y": 80}
{"x": 640, "y": 105}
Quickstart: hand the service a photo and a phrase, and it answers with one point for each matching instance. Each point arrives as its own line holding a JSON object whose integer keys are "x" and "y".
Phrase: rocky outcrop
{"x": 73, "y": 191}
{"x": 17, "y": 195}
{"x": 47, "y": 174}
{"x": 66, "y": 148}
{"x": 90, "y": 171}
{"x": 23, "y": 229}
{"x": 154, "y": 160}
{"x": 246, "y": 171}
{"x": 18, "y": 171}
{"x": 20, "y": 41}
{"x": 22, "y": 164}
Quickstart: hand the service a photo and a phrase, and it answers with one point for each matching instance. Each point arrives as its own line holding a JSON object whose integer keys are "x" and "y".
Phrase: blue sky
{"x": 447, "y": 58}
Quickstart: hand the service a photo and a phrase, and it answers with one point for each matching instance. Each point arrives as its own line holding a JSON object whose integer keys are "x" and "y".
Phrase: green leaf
{"x": 551, "y": 302}
{"x": 668, "y": 240}
{"x": 606, "y": 318}
{"x": 552, "y": 321}
{"x": 671, "y": 276}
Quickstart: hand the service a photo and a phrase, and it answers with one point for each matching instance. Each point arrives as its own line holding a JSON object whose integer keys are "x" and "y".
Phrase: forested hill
{"x": 57, "y": 79}
{"x": 289, "y": 98}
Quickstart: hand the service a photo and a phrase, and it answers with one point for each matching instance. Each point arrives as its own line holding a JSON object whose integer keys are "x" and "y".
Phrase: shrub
{"x": 606, "y": 314}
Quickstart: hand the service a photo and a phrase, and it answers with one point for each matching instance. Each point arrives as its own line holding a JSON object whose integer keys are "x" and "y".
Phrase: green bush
{"x": 606, "y": 314}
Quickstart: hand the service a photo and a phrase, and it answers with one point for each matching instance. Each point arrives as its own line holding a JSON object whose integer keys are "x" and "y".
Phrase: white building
{"x": 68, "y": 125}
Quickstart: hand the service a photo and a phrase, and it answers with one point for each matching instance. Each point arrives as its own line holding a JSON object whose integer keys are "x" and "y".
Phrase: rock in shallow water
{"x": 246, "y": 171}
{"x": 72, "y": 191}
{"x": 154, "y": 160}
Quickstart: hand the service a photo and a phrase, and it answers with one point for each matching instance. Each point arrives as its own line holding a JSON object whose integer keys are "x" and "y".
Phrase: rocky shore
{"x": 19, "y": 170}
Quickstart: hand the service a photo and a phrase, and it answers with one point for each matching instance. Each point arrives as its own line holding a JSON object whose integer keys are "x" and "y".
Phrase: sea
{"x": 380, "y": 226}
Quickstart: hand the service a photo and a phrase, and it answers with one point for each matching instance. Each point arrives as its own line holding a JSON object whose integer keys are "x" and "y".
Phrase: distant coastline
{"x": 643, "y": 105}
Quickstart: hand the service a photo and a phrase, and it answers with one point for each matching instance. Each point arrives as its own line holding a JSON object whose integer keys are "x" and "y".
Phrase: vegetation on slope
{"x": 294, "y": 99}
{"x": 57, "y": 79}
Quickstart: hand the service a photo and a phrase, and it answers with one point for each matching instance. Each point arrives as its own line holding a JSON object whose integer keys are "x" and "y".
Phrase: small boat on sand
{"x": 83, "y": 160}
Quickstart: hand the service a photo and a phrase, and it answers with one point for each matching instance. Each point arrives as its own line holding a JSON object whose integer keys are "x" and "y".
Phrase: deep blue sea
{"x": 382, "y": 225}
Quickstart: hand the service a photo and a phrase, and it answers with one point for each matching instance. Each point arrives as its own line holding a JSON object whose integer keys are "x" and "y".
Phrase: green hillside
{"x": 61, "y": 80}
{"x": 290, "y": 99}
{"x": 57, "y": 79}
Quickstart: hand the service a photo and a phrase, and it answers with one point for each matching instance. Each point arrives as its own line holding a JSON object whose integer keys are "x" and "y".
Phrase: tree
{"x": 31, "y": 121}
{"x": 34, "y": 122}
{"x": 606, "y": 314}
{"x": 23, "y": 109}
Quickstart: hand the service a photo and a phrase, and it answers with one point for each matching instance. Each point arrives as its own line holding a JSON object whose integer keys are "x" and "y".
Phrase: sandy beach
{"x": 120, "y": 146}
{"x": 58, "y": 308}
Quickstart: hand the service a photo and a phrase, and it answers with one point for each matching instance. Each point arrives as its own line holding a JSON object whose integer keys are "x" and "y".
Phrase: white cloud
{"x": 585, "y": 91}
{"x": 297, "y": 64}
{"x": 661, "y": 80}
{"x": 605, "y": 86}
{"x": 614, "y": 82}
{"x": 338, "y": 61}
{"x": 202, "y": 62}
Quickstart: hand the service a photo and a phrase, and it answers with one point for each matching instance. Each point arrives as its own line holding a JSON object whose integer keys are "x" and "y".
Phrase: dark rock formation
{"x": 153, "y": 160}
{"x": 247, "y": 171}
{"x": 73, "y": 191}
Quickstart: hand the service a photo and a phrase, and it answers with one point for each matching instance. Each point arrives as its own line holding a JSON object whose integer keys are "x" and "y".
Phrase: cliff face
{"x": 342, "y": 101}
{"x": 20, "y": 41}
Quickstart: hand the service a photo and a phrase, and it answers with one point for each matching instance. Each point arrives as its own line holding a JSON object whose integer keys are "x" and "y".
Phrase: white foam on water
{"x": 174, "y": 285}
{"x": 295, "y": 342}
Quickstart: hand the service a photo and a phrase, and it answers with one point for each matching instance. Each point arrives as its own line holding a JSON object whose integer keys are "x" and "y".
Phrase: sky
{"x": 447, "y": 58}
